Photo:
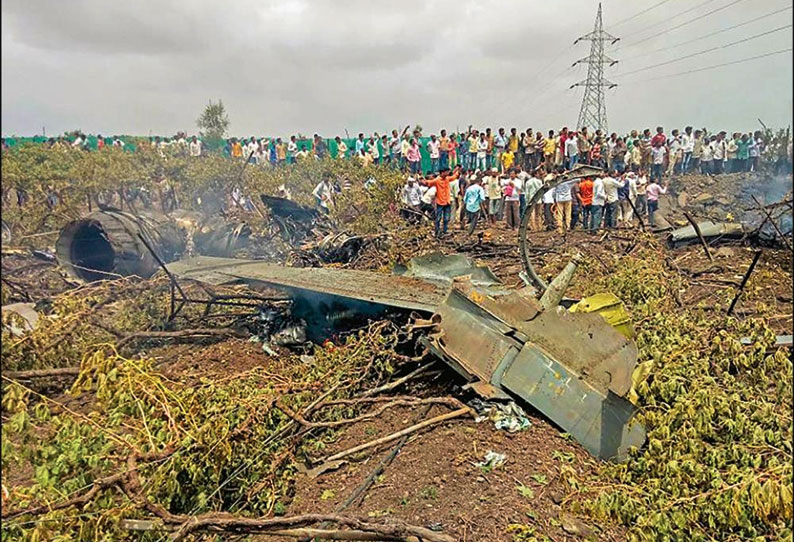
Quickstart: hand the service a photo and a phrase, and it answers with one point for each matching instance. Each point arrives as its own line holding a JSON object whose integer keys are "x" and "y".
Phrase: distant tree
{"x": 213, "y": 122}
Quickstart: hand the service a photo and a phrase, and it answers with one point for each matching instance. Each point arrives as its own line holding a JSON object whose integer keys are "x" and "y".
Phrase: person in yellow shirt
{"x": 473, "y": 141}
{"x": 237, "y": 149}
{"x": 549, "y": 146}
{"x": 512, "y": 142}
{"x": 341, "y": 148}
{"x": 507, "y": 160}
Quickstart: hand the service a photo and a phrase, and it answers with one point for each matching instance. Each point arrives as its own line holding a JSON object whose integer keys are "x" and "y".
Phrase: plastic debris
{"x": 492, "y": 460}
{"x": 505, "y": 416}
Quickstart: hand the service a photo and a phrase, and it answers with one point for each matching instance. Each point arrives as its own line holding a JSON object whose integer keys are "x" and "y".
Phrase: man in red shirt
{"x": 659, "y": 138}
{"x": 585, "y": 197}
{"x": 443, "y": 201}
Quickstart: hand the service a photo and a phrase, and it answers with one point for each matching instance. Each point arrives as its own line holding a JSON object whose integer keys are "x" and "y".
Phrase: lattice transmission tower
{"x": 594, "y": 106}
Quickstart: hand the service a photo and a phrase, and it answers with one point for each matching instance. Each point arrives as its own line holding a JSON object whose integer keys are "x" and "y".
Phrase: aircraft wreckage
{"x": 571, "y": 365}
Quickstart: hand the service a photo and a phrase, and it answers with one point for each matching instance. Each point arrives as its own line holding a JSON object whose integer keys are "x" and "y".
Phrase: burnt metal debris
{"x": 111, "y": 243}
{"x": 574, "y": 368}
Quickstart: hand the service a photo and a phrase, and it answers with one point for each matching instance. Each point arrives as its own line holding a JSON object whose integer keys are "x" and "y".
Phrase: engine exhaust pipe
{"x": 106, "y": 244}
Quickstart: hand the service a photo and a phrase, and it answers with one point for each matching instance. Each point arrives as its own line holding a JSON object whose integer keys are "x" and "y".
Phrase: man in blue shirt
{"x": 473, "y": 199}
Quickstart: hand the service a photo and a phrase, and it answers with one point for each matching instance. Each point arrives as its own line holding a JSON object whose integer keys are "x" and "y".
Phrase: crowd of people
{"x": 492, "y": 176}
{"x": 690, "y": 150}
{"x": 660, "y": 154}
{"x": 612, "y": 199}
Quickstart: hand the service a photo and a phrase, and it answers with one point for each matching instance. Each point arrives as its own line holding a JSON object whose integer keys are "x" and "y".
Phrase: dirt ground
{"x": 434, "y": 480}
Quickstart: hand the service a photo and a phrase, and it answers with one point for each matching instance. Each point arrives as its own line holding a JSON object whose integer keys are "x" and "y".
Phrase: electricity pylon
{"x": 594, "y": 107}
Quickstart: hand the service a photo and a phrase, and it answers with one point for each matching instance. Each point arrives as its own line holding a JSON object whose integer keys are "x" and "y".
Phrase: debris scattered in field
{"x": 492, "y": 460}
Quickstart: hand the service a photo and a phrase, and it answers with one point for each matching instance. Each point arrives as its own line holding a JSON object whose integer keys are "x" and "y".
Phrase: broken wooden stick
{"x": 393, "y": 529}
{"x": 394, "y": 436}
{"x": 208, "y": 332}
{"x": 399, "y": 381}
{"x": 744, "y": 281}
{"x": 448, "y": 401}
{"x": 303, "y": 532}
{"x": 42, "y": 373}
{"x": 700, "y": 235}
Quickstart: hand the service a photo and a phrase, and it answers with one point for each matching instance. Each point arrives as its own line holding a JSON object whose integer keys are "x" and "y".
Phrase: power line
{"x": 708, "y": 50}
{"x": 646, "y": 10}
{"x": 690, "y": 21}
{"x": 641, "y": 30}
{"x": 706, "y": 68}
{"x": 708, "y": 35}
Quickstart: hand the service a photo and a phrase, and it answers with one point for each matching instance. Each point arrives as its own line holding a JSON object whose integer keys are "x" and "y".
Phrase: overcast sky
{"x": 308, "y": 66}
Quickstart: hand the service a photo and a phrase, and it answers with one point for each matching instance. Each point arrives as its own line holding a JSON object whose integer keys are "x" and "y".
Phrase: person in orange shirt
{"x": 443, "y": 200}
{"x": 585, "y": 197}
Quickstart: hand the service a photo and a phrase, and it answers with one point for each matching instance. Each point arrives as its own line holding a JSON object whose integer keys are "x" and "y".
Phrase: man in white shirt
{"x": 688, "y": 145}
{"x": 611, "y": 185}
{"x": 548, "y": 208}
{"x": 641, "y": 201}
{"x": 433, "y": 147}
{"x": 571, "y": 151}
{"x": 563, "y": 207}
{"x": 195, "y": 146}
{"x": 395, "y": 146}
{"x": 512, "y": 190}
{"x": 675, "y": 150}
{"x": 531, "y": 187}
{"x": 292, "y": 150}
{"x": 372, "y": 150}
{"x": 411, "y": 195}
{"x": 324, "y": 193}
{"x": 719, "y": 152}
{"x": 599, "y": 200}
{"x": 658, "y": 153}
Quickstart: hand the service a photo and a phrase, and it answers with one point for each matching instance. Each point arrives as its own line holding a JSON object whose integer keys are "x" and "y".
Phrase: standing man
{"x": 414, "y": 157}
{"x": 531, "y": 187}
{"x": 653, "y": 191}
{"x": 512, "y": 190}
{"x": 194, "y": 147}
{"x": 658, "y": 152}
{"x": 675, "y": 152}
{"x": 563, "y": 205}
{"x": 619, "y": 155}
{"x": 493, "y": 190}
{"x": 443, "y": 205}
{"x": 585, "y": 196}
{"x": 719, "y": 151}
{"x": 512, "y": 143}
{"x": 500, "y": 144}
{"x": 473, "y": 199}
{"x": 482, "y": 153}
{"x": 443, "y": 148}
{"x": 697, "y": 151}
{"x": 571, "y": 151}
{"x": 549, "y": 147}
{"x": 341, "y": 148}
{"x": 688, "y": 147}
{"x": 611, "y": 186}
{"x": 583, "y": 145}
{"x": 599, "y": 200}
{"x": 323, "y": 194}
{"x": 433, "y": 149}
{"x": 395, "y": 149}
{"x": 489, "y": 153}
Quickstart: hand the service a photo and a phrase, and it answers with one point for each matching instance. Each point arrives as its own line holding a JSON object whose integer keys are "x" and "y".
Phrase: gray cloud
{"x": 322, "y": 66}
